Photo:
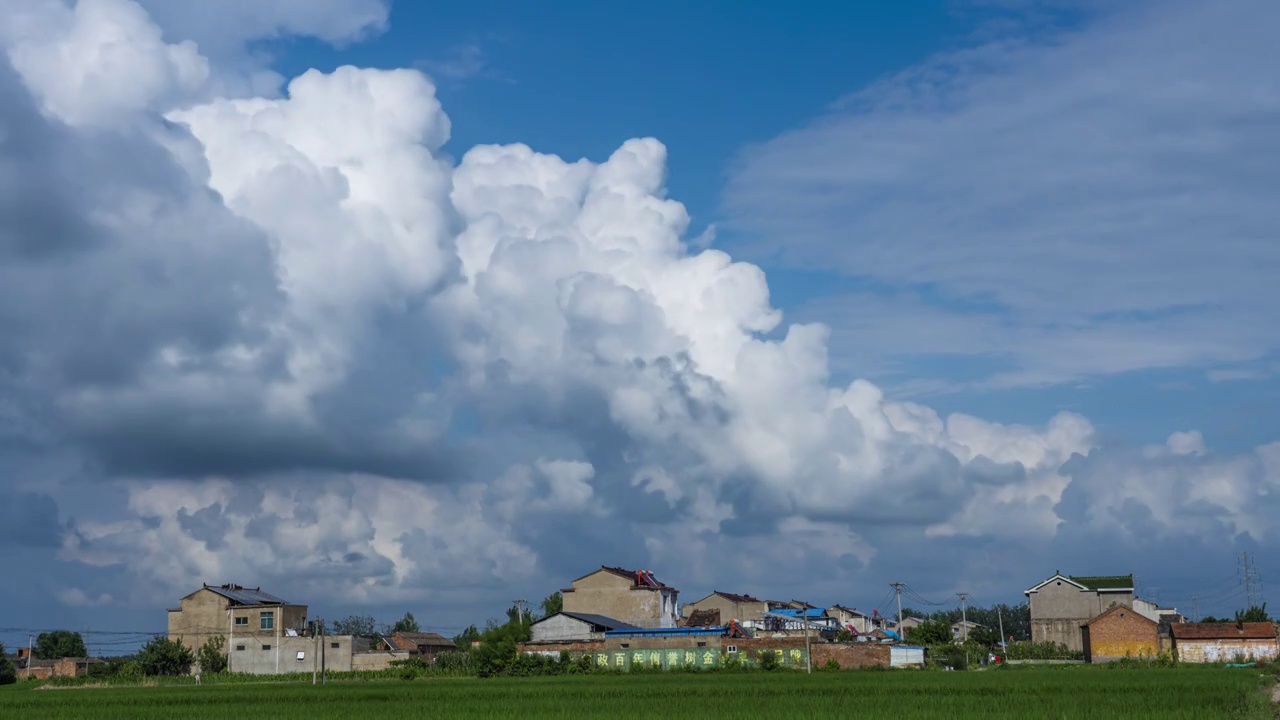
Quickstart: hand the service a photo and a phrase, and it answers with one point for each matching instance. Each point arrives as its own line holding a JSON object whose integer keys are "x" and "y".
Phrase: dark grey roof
{"x": 603, "y": 621}
{"x": 245, "y": 596}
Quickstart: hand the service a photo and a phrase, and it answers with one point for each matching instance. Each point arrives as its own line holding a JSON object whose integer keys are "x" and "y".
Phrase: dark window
{"x": 626, "y": 645}
{"x": 333, "y": 645}
{"x": 242, "y": 621}
{"x": 239, "y": 647}
{"x": 266, "y": 647}
{"x": 702, "y": 644}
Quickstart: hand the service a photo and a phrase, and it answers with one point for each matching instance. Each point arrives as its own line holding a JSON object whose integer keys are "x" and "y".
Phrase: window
{"x": 242, "y": 621}
{"x": 333, "y": 646}
{"x": 626, "y": 645}
{"x": 266, "y": 620}
{"x": 266, "y": 647}
{"x": 239, "y": 648}
{"x": 702, "y": 644}
{"x": 732, "y": 648}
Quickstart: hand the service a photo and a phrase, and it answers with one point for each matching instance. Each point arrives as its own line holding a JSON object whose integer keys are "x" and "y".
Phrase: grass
{"x": 1078, "y": 692}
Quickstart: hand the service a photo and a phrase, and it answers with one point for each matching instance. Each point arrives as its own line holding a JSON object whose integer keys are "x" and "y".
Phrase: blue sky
{"x": 402, "y": 307}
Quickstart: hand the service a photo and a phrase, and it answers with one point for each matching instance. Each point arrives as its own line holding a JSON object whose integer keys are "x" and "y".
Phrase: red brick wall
{"x": 1122, "y": 632}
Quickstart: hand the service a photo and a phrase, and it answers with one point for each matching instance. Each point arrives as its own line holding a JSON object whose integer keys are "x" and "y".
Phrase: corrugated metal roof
{"x": 603, "y": 621}
{"x": 245, "y": 596}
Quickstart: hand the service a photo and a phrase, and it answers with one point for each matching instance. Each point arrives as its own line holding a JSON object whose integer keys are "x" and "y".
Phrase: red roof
{"x": 1224, "y": 631}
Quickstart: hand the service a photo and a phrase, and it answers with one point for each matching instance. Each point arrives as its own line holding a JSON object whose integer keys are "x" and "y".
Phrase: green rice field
{"x": 1094, "y": 693}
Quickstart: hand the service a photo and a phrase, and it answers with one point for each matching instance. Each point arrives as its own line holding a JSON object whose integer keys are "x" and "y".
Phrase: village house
{"x": 902, "y": 628}
{"x": 564, "y": 627}
{"x": 42, "y": 669}
{"x": 1117, "y": 633}
{"x": 850, "y": 619}
{"x": 963, "y": 630}
{"x": 1224, "y": 642}
{"x": 424, "y": 645}
{"x": 634, "y": 597}
{"x": 246, "y": 616}
{"x": 1061, "y": 604}
{"x": 747, "y": 610}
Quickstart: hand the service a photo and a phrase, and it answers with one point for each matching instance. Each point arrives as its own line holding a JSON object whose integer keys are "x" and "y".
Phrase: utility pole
{"x": 30, "y": 654}
{"x": 1004, "y": 645}
{"x": 808, "y": 653}
{"x": 315, "y": 650}
{"x": 964, "y": 619}
{"x": 897, "y": 591}
{"x": 1248, "y": 576}
{"x": 324, "y": 676}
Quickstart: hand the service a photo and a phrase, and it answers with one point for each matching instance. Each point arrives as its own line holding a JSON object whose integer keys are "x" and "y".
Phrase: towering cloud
{"x": 288, "y": 338}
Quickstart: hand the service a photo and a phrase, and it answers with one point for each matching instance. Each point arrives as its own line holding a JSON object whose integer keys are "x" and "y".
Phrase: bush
{"x": 8, "y": 674}
{"x": 769, "y": 660}
{"x": 833, "y": 664}
{"x": 213, "y": 655}
{"x": 163, "y": 656}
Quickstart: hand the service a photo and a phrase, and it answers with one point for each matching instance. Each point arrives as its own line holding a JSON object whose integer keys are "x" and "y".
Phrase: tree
{"x": 1255, "y": 613}
{"x": 8, "y": 674}
{"x": 930, "y": 632}
{"x": 405, "y": 624}
{"x": 553, "y": 604}
{"x": 162, "y": 656}
{"x": 358, "y": 625}
{"x": 464, "y": 639}
{"x": 60, "y": 644}
{"x": 213, "y": 655}
{"x": 1209, "y": 619}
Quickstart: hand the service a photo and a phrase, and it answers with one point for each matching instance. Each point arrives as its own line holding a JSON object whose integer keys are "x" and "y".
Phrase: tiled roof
{"x": 1104, "y": 582}
{"x": 1223, "y": 631}
{"x": 736, "y": 598}
{"x": 245, "y": 596}
{"x": 634, "y": 576}
{"x": 851, "y": 611}
{"x": 413, "y": 639}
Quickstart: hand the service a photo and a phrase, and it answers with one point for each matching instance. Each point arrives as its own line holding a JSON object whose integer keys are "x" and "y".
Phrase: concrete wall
{"x": 677, "y": 652}
{"x": 1060, "y": 608}
{"x": 1225, "y": 650}
{"x": 1120, "y": 634}
{"x": 604, "y": 593}
{"x": 377, "y": 660}
{"x": 249, "y": 654}
{"x": 559, "y": 628}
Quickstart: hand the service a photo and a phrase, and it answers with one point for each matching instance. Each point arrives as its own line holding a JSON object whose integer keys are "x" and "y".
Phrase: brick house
{"x": 418, "y": 644}
{"x": 851, "y": 619}
{"x": 1117, "y": 633}
{"x": 1061, "y": 604}
{"x": 634, "y": 597}
{"x": 745, "y": 609}
{"x": 1224, "y": 642}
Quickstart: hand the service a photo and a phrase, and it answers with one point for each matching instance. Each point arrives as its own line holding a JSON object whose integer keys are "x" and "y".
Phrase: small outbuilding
{"x": 1224, "y": 642}
{"x": 574, "y": 627}
{"x": 1118, "y": 633}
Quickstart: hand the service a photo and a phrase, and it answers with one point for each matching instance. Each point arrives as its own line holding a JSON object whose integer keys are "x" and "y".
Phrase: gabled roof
{"x": 848, "y": 610}
{"x": 1101, "y": 583}
{"x": 1223, "y": 631}
{"x": 239, "y": 595}
{"x": 735, "y": 598}
{"x": 603, "y": 622}
{"x": 640, "y": 579}
{"x": 1118, "y": 609}
{"x": 411, "y": 640}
